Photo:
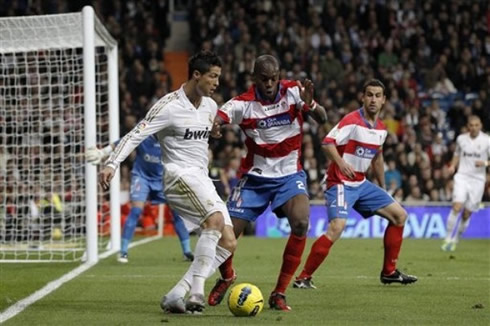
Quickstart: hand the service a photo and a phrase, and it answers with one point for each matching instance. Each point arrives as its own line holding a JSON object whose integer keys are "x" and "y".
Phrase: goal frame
{"x": 93, "y": 34}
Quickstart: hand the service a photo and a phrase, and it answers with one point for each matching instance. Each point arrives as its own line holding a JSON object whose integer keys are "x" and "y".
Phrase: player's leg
{"x": 290, "y": 200}
{"x": 460, "y": 196}
{"x": 139, "y": 192}
{"x": 205, "y": 254}
{"x": 472, "y": 204}
{"x": 371, "y": 198}
{"x": 156, "y": 195}
{"x": 319, "y": 252}
{"x": 451, "y": 223}
{"x": 193, "y": 195}
{"x": 226, "y": 246}
{"x": 227, "y": 272}
{"x": 339, "y": 199}
{"x": 183, "y": 234}
{"x": 248, "y": 200}
{"x": 463, "y": 225}
{"x": 129, "y": 227}
{"x": 297, "y": 210}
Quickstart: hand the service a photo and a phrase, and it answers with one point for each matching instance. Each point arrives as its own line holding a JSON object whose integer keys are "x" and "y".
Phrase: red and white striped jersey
{"x": 273, "y": 130}
{"x": 358, "y": 143}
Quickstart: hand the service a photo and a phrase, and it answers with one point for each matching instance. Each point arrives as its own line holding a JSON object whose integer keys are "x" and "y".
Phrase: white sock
{"x": 450, "y": 224}
{"x": 463, "y": 225}
{"x": 204, "y": 256}
{"x": 180, "y": 289}
{"x": 222, "y": 254}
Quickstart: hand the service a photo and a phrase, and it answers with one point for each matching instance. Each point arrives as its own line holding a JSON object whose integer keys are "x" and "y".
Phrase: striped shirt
{"x": 182, "y": 130}
{"x": 273, "y": 130}
{"x": 357, "y": 143}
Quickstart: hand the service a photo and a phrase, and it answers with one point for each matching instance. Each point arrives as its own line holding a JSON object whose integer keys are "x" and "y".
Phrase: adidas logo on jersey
{"x": 197, "y": 134}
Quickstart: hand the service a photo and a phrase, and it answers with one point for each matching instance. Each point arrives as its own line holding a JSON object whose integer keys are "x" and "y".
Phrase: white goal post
{"x": 58, "y": 96}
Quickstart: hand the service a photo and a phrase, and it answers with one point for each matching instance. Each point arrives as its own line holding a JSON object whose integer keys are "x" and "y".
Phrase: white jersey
{"x": 273, "y": 130}
{"x": 470, "y": 150}
{"x": 183, "y": 132}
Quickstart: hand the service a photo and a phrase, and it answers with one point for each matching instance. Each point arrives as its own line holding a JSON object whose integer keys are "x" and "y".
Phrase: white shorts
{"x": 468, "y": 191}
{"x": 193, "y": 195}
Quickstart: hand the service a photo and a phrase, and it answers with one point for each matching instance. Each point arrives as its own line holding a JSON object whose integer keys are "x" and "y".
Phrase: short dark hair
{"x": 264, "y": 60}
{"x": 202, "y": 62}
{"x": 373, "y": 82}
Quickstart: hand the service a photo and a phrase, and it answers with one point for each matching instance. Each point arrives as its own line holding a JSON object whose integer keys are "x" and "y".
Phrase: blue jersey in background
{"x": 148, "y": 162}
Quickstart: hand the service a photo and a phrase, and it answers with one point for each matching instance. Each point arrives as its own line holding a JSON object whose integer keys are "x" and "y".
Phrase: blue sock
{"x": 182, "y": 233}
{"x": 129, "y": 228}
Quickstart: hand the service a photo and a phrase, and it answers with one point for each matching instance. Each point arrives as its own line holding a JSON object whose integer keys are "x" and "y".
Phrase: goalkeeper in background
{"x": 146, "y": 183}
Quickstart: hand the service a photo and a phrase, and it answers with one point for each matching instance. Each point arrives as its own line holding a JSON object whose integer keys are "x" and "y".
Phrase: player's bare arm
{"x": 378, "y": 168}
{"x": 454, "y": 163}
{"x": 334, "y": 155}
{"x": 216, "y": 131}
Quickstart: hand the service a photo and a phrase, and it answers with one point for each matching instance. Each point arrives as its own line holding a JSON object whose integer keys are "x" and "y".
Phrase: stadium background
{"x": 432, "y": 55}
{"x": 434, "y": 44}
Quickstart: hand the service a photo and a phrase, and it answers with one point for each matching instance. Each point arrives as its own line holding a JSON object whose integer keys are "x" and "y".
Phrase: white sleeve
{"x": 157, "y": 118}
{"x": 294, "y": 92}
{"x": 488, "y": 146}
{"x": 232, "y": 111}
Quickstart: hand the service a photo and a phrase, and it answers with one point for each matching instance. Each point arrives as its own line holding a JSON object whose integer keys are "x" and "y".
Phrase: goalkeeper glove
{"x": 95, "y": 155}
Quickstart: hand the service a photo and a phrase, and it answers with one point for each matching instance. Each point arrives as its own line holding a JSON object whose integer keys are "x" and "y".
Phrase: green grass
{"x": 349, "y": 291}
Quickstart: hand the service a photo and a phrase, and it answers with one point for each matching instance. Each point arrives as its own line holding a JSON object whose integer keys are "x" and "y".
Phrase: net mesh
{"x": 42, "y": 177}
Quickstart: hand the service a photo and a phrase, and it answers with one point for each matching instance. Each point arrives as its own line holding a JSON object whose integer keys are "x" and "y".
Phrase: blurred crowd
{"x": 433, "y": 57}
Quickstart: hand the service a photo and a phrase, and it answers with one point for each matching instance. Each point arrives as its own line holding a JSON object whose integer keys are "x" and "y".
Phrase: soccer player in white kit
{"x": 183, "y": 121}
{"x": 471, "y": 157}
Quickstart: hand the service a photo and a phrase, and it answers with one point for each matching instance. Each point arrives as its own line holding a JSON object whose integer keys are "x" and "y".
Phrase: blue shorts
{"x": 143, "y": 189}
{"x": 252, "y": 195}
{"x": 365, "y": 199}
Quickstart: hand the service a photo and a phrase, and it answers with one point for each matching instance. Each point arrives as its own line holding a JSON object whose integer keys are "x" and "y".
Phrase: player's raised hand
{"x": 106, "y": 176}
{"x": 306, "y": 91}
{"x": 94, "y": 155}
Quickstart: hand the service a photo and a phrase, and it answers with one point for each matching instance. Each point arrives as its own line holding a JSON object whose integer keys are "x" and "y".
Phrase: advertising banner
{"x": 423, "y": 222}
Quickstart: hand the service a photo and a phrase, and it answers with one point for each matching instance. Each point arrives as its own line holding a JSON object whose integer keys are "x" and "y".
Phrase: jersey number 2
{"x": 300, "y": 185}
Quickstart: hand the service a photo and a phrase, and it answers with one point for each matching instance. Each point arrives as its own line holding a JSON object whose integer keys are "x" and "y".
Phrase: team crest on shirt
{"x": 140, "y": 126}
{"x": 209, "y": 203}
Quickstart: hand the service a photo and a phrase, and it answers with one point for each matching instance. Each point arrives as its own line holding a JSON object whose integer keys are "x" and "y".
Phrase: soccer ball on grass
{"x": 245, "y": 299}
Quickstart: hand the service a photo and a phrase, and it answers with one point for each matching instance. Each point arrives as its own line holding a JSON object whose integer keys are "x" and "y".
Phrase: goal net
{"x": 58, "y": 95}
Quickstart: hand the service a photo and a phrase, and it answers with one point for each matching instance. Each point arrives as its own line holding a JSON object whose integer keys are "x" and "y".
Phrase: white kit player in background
{"x": 471, "y": 157}
{"x": 183, "y": 121}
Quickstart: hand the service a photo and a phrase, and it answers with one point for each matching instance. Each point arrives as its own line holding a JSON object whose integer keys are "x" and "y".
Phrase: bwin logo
{"x": 197, "y": 134}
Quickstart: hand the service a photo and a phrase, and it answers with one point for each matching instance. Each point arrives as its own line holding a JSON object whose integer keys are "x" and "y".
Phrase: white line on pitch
{"x": 20, "y": 305}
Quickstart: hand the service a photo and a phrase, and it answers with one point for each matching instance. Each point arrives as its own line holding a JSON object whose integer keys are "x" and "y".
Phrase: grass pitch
{"x": 453, "y": 288}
